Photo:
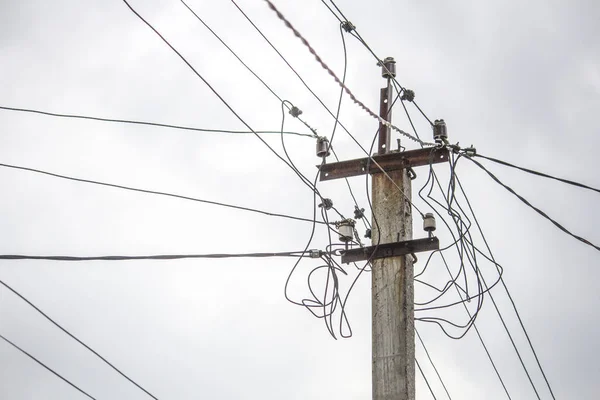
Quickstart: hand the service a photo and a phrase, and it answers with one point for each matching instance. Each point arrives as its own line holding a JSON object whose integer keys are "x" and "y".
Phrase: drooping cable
{"x": 127, "y": 121}
{"x": 530, "y": 171}
{"x": 338, "y": 81}
{"x": 432, "y": 363}
{"x": 154, "y": 192}
{"x": 36, "y": 308}
{"x": 425, "y": 378}
{"x": 151, "y": 257}
{"x": 540, "y": 212}
{"x": 48, "y": 368}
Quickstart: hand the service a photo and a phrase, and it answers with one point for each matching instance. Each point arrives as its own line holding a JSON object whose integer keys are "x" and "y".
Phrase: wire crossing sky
{"x": 203, "y": 294}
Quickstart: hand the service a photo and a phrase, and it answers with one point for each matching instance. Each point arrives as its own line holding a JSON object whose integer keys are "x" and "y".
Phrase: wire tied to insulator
{"x": 359, "y": 212}
{"x": 408, "y": 95}
{"x": 295, "y": 112}
{"x": 326, "y": 204}
{"x": 315, "y": 253}
{"x": 348, "y": 26}
{"x": 440, "y": 132}
{"x": 322, "y": 147}
{"x": 429, "y": 224}
{"x": 345, "y": 229}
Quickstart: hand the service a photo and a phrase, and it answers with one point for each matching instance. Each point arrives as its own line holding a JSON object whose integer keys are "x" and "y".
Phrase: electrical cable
{"x": 425, "y": 378}
{"x": 48, "y": 368}
{"x": 530, "y": 171}
{"x": 540, "y": 212}
{"x": 338, "y": 81}
{"x": 368, "y": 154}
{"x": 508, "y": 294}
{"x": 246, "y": 66}
{"x": 432, "y": 363}
{"x": 76, "y": 339}
{"x": 151, "y": 257}
{"x": 153, "y": 192}
{"x": 156, "y": 124}
{"x": 191, "y": 67}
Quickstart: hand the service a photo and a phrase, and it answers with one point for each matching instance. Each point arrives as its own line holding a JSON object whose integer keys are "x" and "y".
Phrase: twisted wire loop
{"x": 339, "y": 82}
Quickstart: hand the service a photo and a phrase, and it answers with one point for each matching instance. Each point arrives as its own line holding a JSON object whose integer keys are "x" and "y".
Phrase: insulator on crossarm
{"x": 322, "y": 147}
{"x": 346, "y": 230}
{"x": 440, "y": 131}
{"x": 429, "y": 223}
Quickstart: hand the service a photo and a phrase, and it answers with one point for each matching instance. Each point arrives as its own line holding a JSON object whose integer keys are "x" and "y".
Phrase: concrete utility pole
{"x": 392, "y": 246}
{"x": 392, "y": 287}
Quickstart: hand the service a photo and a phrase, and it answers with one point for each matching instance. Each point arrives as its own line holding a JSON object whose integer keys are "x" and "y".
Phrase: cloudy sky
{"x": 518, "y": 80}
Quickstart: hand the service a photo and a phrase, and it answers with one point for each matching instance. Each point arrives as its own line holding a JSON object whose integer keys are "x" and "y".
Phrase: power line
{"x": 134, "y": 122}
{"x": 152, "y": 257}
{"x": 432, "y": 363}
{"x": 76, "y": 339}
{"x": 543, "y": 214}
{"x": 338, "y": 81}
{"x": 154, "y": 192}
{"x": 48, "y": 368}
{"x": 530, "y": 171}
{"x": 424, "y": 377}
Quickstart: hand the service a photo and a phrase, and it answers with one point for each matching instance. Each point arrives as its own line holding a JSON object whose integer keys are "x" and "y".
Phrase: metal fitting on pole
{"x": 440, "y": 132}
{"x": 322, "y": 147}
{"x": 388, "y": 68}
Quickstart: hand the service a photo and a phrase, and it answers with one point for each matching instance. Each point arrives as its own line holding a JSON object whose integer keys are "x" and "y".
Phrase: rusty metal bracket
{"x": 389, "y": 162}
{"x": 390, "y": 250}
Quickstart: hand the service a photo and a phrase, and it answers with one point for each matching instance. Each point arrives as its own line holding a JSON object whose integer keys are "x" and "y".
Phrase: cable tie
{"x": 348, "y": 26}
{"x": 315, "y": 253}
{"x": 327, "y": 204}
{"x": 295, "y": 112}
{"x": 359, "y": 212}
{"x": 408, "y": 95}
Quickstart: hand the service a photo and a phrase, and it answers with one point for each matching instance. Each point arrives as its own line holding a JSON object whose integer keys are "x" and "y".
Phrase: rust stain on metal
{"x": 389, "y": 162}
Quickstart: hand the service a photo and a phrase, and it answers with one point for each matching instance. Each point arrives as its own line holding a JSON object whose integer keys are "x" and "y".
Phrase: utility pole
{"x": 392, "y": 250}
{"x": 392, "y": 287}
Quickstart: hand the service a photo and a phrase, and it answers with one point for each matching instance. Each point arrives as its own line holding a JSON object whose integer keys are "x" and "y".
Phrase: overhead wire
{"x": 425, "y": 378}
{"x": 154, "y": 192}
{"x": 509, "y": 295}
{"x": 432, "y": 363}
{"x": 134, "y": 122}
{"x": 72, "y": 336}
{"x": 48, "y": 368}
{"x": 530, "y": 171}
{"x": 338, "y": 81}
{"x": 539, "y": 211}
{"x": 151, "y": 257}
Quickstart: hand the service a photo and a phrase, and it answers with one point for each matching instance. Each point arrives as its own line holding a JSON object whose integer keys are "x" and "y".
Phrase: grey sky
{"x": 519, "y": 80}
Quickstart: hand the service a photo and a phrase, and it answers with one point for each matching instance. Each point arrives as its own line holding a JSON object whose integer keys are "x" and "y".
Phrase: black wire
{"x": 155, "y": 192}
{"x": 150, "y": 257}
{"x": 126, "y": 121}
{"x": 76, "y": 339}
{"x": 424, "y": 377}
{"x": 581, "y": 185}
{"x": 540, "y": 212}
{"x": 332, "y": 12}
{"x": 368, "y": 154}
{"x": 432, "y": 363}
{"x": 508, "y": 294}
{"x": 48, "y": 368}
{"x": 191, "y": 67}
{"x": 245, "y": 65}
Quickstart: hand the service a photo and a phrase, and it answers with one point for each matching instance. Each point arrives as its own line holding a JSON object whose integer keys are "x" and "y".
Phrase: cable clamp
{"x": 358, "y": 212}
{"x": 408, "y": 95}
{"x": 327, "y": 204}
{"x": 295, "y": 112}
{"x": 348, "y": 26}
{"x": 315, "y": 253}
{"x": 470, "y": 151}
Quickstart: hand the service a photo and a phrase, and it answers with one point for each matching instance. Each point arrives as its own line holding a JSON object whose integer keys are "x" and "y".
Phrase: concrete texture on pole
{"x": 392, "y": 293}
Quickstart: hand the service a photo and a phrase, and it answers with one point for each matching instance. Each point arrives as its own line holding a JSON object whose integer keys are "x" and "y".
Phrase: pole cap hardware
{"x": 388, "y": 68}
